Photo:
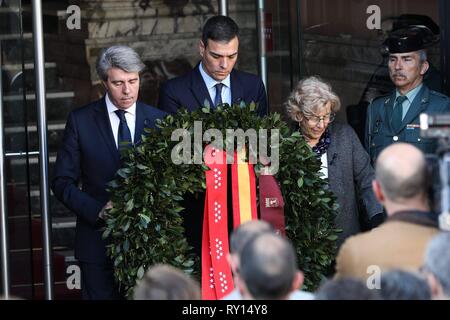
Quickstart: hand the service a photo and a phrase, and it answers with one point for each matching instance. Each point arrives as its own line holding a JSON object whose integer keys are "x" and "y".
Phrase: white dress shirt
{"x": 324, "y": 166}
{"x": 211, "y": 86}
{"x": 130, "y": 116}
{"x": 410, "y": 96}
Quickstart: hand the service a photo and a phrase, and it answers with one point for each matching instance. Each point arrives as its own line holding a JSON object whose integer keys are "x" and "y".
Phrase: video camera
{"x": 437, "y": 126}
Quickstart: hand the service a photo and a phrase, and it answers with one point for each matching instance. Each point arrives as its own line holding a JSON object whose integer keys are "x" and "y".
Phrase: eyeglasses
{"x": 314, "y": 120}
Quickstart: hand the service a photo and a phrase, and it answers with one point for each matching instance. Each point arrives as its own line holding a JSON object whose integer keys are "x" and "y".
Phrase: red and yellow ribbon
{"x": 243, "y": 190}
{"x": 217, "y": 278}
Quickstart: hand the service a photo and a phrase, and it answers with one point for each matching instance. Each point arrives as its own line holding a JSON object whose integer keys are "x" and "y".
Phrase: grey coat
{"x": 350, "y": 177}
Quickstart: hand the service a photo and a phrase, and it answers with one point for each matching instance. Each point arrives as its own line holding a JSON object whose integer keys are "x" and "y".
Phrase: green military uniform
{"x": 385, "y": 126}
{"x": 379, "y": 132}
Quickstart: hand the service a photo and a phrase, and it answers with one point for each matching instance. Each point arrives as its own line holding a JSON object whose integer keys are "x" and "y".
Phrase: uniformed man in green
{"x": 395, "y": 117}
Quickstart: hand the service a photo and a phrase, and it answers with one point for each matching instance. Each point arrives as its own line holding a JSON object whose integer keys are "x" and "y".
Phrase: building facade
{"x": 336, "y": 40}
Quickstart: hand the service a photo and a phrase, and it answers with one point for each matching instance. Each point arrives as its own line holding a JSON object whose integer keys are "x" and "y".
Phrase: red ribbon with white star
{"x": 217, "y": 279}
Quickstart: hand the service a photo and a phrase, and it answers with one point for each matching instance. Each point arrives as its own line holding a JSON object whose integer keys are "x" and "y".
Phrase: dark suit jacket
{"x": 350, "y": 178}
{"x": 190, "y": 91}
{"x": 379, "y": 133}
{"x": 89, "y": 156}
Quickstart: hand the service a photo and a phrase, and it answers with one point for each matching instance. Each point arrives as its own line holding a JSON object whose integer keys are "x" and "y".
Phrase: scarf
{"x": 322, "y": 146}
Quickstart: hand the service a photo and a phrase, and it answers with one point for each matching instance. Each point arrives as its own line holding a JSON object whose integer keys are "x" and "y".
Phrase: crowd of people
{"x": 267, "y": 270}
{"x": 405, "y": 258}
{"x": 405, "y": 243}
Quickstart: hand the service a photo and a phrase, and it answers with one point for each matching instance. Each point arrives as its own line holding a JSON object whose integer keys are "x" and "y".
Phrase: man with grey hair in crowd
{"x": 404, "y": 285}
{"x": 268, "y": 269}
{"x": 90, "y": 154}
{"x": 245, "y": 233}
{"x": 437, "y": 266}
{"x": 239, "y": 238}
{"x": 400, "y": 185}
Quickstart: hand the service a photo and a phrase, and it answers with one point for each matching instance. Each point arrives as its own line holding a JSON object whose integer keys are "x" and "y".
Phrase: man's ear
{"x": 424, "y": 67}
{"x": 243, "y": 290}
{"x": 298, "y": 281}
{"x": 435, "y": 287}
{"x": 232, "y": 260}
{"x": 201, "y": 47}
{"x": 378, "y": 191}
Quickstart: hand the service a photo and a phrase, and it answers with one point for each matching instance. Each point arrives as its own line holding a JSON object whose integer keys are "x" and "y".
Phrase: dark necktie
{"x": 218, "y": 97}
{"x": 124, "y": 136}
{"x": 397, "y": 113}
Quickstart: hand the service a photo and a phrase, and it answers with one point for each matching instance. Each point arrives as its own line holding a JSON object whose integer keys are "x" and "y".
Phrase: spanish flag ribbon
{"x": 243, "y": 190}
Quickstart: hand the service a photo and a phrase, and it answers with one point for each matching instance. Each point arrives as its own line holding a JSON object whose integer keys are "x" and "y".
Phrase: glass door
{"x": 21, "y": 151}
{"x": 16, "y": 63}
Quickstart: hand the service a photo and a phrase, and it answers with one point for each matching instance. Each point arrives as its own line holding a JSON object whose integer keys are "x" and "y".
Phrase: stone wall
{"x": 165, "y": 33}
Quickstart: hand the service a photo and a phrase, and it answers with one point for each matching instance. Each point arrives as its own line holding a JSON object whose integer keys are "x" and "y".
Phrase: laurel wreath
{"x": 145, "y": 225}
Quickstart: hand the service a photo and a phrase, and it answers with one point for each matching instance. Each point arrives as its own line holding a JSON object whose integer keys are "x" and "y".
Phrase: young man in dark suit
{"x": 90, "y": 155}
{"x": 214, "y": 79}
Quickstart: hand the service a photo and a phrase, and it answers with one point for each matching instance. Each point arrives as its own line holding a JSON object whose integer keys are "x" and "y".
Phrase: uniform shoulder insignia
{"x": 383, "y": 98}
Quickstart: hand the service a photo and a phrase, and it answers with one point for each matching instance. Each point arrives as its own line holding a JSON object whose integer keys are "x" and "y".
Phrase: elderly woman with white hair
{"x": 313, "y": 105}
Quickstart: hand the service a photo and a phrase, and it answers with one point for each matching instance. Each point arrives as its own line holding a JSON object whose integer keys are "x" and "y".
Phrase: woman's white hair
{"x": 309, "y": 96}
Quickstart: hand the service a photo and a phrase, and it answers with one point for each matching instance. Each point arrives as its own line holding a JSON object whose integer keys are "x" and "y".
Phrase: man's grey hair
{"x": 246, "y": 232}
{"x": 122, "y": 57}
{"x": 403, "y": 285}
{"x": 345, "y": 288}
{"x": 165, "y": 282}
{"x": 423, "y": 55}
{"x": 437, "y": 260}
{"x": 268, "y": 267}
